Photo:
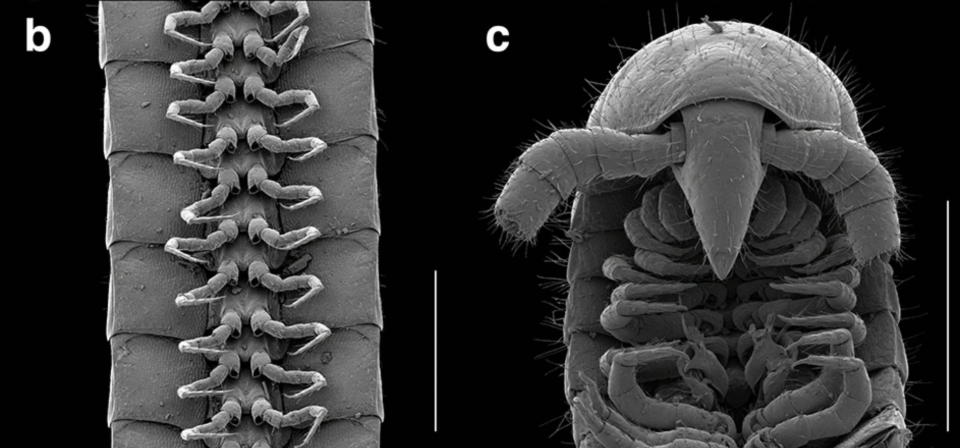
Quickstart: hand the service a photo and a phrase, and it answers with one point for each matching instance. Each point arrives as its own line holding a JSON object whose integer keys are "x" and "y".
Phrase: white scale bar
{"x": 435, "y": 351}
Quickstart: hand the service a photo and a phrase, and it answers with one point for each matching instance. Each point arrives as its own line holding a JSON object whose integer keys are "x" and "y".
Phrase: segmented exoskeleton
{"x": 729, "y": 267}
{"x": 242, "y": 224}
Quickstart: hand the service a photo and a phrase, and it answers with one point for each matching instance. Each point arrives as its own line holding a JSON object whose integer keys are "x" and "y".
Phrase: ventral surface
{"x": 729, "y": 273}
{"x": 243, "y": 224}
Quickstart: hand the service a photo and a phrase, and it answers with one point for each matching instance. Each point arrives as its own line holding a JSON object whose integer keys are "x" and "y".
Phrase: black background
{"x": 454, "y": 116}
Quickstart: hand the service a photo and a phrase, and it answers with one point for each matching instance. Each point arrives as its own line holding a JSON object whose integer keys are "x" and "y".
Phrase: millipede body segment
{"x": 242, "y": 224}
{"x": 730, "y": 278}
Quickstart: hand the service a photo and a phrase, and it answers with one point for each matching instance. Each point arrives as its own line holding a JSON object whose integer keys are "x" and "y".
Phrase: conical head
{"x": 722, "y": 175}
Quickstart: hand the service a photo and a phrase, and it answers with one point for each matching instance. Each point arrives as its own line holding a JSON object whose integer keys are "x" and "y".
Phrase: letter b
{"x": 44, "y": 33}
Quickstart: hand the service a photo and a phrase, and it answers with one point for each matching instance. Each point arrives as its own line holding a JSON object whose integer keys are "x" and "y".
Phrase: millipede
{"x": 731, "y": 237}
{"x": 242, "y": 225}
